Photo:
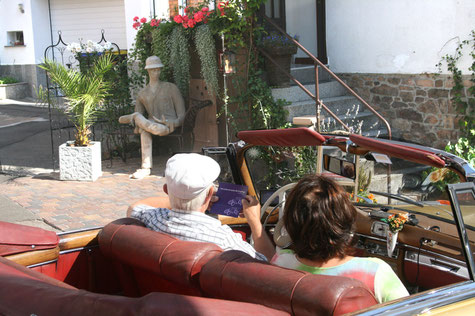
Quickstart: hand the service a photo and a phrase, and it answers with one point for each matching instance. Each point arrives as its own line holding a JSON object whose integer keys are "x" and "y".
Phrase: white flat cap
{"x": 188, "y": 175}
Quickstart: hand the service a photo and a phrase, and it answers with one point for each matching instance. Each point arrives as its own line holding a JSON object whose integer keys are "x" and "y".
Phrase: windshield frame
{"x": 453, "y": 191}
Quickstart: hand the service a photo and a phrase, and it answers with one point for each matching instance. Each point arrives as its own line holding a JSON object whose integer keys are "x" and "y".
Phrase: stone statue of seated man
{"x": 159, "y": 109}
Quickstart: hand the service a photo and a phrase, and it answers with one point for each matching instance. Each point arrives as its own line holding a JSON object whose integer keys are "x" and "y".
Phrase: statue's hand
{"x": 170, "y": 125}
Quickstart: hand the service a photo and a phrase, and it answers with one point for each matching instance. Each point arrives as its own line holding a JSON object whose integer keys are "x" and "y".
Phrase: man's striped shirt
{"x": 193, "y": 226}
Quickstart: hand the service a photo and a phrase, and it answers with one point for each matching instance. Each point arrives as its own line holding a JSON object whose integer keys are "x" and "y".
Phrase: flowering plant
{"x": 396, "y": 221}
{"x": 143, "y": 22}
{"x": 276, "y": 41}
{"x": 193, "y": 16}
{"x": 87, "y": 53}
{"x": 89, "y": 47}
{"x": 364, "y": 196}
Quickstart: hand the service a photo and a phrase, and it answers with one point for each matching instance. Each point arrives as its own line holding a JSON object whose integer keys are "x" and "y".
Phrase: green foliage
{"x": 160, "y": 48}
{"x": 8, "y": 80}
{"x": 256, "y": 102}
{"x": 204, "y": 43}
{"x": 463, "y": 148}
{"x": 237, "y": 23}
{"x": 84, "y": 92}
{"x": 180, "y": 59}
{"x": 116, "y": 104}
{"x": 464, "y": 101}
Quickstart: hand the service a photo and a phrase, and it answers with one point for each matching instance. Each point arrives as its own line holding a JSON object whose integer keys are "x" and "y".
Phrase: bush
{"x": 8, "y": 80}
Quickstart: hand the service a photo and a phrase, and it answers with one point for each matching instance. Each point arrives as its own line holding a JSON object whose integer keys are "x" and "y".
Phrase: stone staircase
{"x": 335, "y": 97}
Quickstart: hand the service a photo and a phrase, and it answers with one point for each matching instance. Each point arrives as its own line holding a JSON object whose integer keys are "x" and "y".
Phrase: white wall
{"x": 395, "y": 36}
{"x": 41, "y": 30}
{"x": 301, "y": 18}
{"x": 11, "y": 19}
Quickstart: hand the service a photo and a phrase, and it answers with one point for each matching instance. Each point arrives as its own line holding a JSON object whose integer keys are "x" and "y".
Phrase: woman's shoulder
{"x": 369, "y": 261}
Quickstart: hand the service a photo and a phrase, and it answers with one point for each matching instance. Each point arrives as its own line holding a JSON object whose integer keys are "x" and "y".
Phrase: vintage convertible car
{"x": 127, "y": 269}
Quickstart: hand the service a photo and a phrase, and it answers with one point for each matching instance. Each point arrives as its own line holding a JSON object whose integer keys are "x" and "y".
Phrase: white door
{"x": 86, "y": 18}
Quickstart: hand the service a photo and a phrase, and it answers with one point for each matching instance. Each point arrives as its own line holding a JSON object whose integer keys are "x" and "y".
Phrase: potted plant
{"x": 280, "y": 48}
{"x": 84, "y": 93}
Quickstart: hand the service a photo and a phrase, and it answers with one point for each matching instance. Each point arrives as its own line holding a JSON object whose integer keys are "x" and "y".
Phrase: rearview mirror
{"x": 339, "y": 166}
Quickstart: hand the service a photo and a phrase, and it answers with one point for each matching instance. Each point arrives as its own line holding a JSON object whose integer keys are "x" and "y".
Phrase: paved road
{"x": 25, "y": 138}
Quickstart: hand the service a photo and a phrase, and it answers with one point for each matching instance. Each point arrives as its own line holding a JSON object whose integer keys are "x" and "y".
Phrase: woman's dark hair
{"x": 319, "y": 218}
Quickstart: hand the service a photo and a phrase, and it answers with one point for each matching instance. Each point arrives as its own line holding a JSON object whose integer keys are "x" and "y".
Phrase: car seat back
{"x": 149, "y": 261}
{"x": 234, "y": 275}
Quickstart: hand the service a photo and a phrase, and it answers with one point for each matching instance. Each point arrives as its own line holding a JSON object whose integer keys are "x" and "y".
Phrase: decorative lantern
{"x": 228, "y": 62}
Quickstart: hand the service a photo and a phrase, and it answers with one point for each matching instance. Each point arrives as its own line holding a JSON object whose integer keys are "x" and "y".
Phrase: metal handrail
{"x": 316, "y": 97}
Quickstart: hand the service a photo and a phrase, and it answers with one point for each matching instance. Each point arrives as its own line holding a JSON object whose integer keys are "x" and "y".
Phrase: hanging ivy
{"x": 180, "y": 59}
{"x": 206, "y": 49}
{"x": 160, "y": 40}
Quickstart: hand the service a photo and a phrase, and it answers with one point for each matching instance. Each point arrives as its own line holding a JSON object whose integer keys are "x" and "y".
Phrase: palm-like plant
{"x": 84, "y": 92}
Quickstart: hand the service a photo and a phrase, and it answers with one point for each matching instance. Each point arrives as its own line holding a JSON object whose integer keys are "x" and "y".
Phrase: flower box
{"x": 14, "y": 91}
{"x": 81, "y": 163}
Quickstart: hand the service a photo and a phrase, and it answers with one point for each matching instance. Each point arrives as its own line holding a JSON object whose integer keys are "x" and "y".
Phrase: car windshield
{"x": 381, "y": 180}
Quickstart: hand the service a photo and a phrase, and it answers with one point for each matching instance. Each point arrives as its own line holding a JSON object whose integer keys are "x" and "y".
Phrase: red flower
{"x": 154, "y": 22}
{"x": 136, "y": 25}
{"x": 178, "y": 19}
{"x": 143, "y": 20}
{"x": 187, "y": 9}
{"x": 185, "y": 19}
{"x": 205, "y": 9}
{"x": 136, "y": 18}
{"x": 191, "y": 23}
{"x": 199, "y": 16}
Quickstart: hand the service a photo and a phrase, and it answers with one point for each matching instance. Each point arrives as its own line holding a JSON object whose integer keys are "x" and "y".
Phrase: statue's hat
{"x": 153, "y": 62}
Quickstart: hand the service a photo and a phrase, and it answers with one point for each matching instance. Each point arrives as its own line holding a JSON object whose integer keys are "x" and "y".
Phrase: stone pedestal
{"x": 80, "y": 163}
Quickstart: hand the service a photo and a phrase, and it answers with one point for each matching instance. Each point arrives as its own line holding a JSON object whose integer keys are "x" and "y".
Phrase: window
{"x": 15, "y": 38}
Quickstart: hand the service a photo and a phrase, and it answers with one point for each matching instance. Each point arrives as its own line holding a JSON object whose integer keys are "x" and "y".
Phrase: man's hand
{"x": 213, "y": 199}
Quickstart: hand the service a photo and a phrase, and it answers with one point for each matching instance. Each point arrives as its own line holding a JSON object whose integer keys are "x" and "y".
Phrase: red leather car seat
{"x": 234, "y": 275}
{"x": 27, "y": 292}
{"x": 149, "y": 261}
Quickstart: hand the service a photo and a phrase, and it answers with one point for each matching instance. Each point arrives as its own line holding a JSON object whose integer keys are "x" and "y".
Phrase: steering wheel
{"x": 281, "y": 238}
{"x": 281, "y": 193}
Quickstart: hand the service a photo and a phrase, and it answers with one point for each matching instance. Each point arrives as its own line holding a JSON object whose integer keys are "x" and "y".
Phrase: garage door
{"x": 86, "y": 18}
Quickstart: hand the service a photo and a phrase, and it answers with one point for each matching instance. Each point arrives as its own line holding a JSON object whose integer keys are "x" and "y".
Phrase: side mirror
{"x": 339, "y": 166}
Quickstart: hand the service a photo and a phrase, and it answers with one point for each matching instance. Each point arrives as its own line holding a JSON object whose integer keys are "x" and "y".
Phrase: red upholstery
{"x": 399, "y": 151}
{"x": 26, "y": 292}
{"x": 16, "y": 238}
{"x": 174, "y": 264}
{"x": 234, "y": 275}
{"x": 300, "y": 136}
{"x": 11, "y": 268}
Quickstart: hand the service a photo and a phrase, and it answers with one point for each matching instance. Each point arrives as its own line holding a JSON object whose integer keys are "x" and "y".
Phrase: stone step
{"x": 296, "y": 94}
{"x": 306, "y": 73}
{"x": 307, "y": 107}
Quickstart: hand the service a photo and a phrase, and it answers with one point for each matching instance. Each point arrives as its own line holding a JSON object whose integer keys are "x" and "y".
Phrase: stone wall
{"x": 31, "y": 74}
{"x": 417, "y": 107}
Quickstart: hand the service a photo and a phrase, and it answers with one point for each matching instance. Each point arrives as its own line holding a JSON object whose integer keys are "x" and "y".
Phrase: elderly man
{"x": 165, "y": 110}
{"x": 189, "y": 185}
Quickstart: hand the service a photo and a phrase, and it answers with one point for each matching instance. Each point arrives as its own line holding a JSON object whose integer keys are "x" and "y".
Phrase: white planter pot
{"x": 80, "y": 163}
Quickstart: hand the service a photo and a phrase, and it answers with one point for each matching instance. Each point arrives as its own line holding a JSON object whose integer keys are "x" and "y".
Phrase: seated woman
{"x": 319, "y": 218}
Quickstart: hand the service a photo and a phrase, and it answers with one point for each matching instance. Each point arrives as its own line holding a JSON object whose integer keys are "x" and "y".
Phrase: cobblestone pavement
{"x": 69, "y": 205}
